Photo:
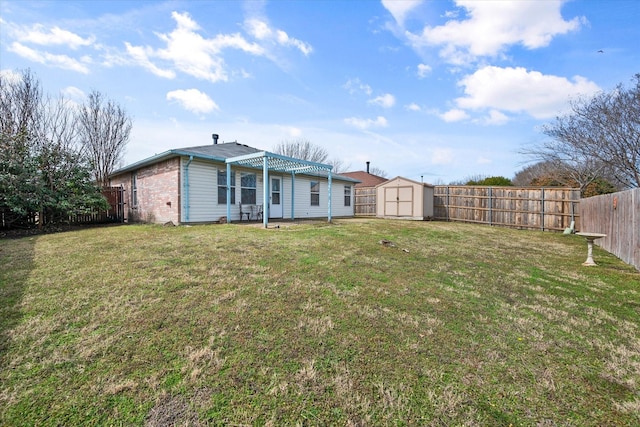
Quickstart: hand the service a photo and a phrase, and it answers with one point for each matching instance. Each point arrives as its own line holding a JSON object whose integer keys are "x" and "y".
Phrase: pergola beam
{"x": 275, "y": 162}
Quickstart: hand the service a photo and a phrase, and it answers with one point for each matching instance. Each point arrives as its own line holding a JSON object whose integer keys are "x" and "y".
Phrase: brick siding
{"x": 158, "y": 192}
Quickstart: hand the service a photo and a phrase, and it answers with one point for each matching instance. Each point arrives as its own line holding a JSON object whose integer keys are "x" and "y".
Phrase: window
{"x": 248, "y": 188}
{"x": 134, "y": 189}
{"x": 315, "y": 193}
{"x": 347, "y": 195}
{"x": 222, "y": 187}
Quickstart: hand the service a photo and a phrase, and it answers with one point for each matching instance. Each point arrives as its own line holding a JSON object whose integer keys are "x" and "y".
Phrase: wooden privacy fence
{"x": 519, "y": 207}
{"x": 365, "y": 201}
{"x": 618, "y": 216}
{"x": 115, "y": 213}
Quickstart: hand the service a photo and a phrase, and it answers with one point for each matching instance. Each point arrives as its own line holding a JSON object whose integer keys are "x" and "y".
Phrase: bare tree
{"x": 104, "y": 128}
{"x": 600, "y": 137}
{"x": 303, "y": 149}
{"x": 338, "y": 165}
{"x": 377, "y": 171}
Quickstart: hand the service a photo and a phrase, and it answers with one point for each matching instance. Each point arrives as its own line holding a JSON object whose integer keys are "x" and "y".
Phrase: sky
{"x": 431, "y": 90}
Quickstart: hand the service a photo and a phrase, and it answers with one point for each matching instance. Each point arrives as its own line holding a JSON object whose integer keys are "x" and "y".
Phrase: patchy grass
{"x": 316, "y": 324}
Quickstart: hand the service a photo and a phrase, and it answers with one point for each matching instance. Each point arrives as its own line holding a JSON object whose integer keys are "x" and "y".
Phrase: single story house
{"x": 404, "y": 198}
{"x": 365, "y": 191}
{"x": 231, "y": 182}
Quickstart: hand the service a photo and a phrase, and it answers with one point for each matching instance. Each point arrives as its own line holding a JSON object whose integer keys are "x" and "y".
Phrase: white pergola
{"x": 278, "y": 163}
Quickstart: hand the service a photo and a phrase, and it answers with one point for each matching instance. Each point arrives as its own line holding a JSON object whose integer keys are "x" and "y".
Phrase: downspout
{"x": 329, "y": 204}
{"x": 229, "y": 193}
{"x": 186, "y": 189}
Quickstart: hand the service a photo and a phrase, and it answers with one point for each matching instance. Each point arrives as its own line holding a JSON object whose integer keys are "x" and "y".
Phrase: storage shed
{"x": 404, "y": 198}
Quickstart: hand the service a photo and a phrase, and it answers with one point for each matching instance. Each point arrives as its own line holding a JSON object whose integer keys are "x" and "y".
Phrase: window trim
{"x": 223, "y": 173}
{"x": 314, "y": 193}
{"x": 134, "y": 189}
{"x": 244, "y": 189}
{"x": 347, "y": 195}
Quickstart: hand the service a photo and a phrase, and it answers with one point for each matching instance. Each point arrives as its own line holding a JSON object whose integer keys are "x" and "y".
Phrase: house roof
{"x": 366, "y": 179}
{"x": 240, "y": 154}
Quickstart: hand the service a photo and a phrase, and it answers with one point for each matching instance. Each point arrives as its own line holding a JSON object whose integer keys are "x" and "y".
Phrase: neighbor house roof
{"x": 216, "y": 152}
{"x": 366, "y": 179}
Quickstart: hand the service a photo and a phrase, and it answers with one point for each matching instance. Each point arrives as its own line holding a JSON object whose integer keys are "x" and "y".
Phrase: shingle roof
{"x": 218, "y": 152}
{"x": 366, "y": 179}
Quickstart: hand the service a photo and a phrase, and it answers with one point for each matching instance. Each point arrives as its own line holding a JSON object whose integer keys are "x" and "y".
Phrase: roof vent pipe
{"x": 368, "y": 167}
{"x": 215, "y": 138}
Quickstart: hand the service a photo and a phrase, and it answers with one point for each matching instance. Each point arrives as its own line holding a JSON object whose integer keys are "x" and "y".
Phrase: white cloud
{"x": 193, "y": 100}
{"x": 60, "y": 61}
{"x": 355, "y": 86}
{"x": 400, "y": 8}
{"x": 496, "y": 118}
{"x": 492, "y": 26}
{"x": 191, "y": 53}
{"x": 413, "y": 107}
{"x": 454, "y": 115}
{"x": 10, "y": 76}
{"x": 423, "y": 70}
{"x": 483, "y": 160}
{"x": 140, "y": 55}
{"x": 260, "y": 30}
{"x": 386, "y": 101}
{"x": 518, "y": 90}
{"x": 73, "y": 93}
{"x": 366, "y": 123}
{"x": 55, "y": 36}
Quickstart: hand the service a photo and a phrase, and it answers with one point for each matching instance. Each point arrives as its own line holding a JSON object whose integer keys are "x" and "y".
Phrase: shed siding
{"x": 404, "y": 198}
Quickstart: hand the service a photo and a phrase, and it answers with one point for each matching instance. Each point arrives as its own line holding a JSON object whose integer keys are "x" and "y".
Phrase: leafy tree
{"x": 599, "y": 138}
{"x": 104, "y": 129}
{"x": 488, "y": 180}
{"x": 42, "y": 170}
{"x": 547, "y": 174}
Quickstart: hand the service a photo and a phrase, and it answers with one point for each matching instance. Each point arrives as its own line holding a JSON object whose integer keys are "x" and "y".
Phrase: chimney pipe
{"x": 215, "y": 138}
{"x": 368, "y": 167}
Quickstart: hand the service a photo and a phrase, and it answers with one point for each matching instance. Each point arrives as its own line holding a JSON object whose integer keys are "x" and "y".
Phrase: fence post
{"x": 490, "y": 205}
{"x": 542, "y": 212}
{"x": 447, "y": 207}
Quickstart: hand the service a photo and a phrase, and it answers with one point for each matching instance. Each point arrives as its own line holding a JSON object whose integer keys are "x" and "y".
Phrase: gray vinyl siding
{"x": 199, "y": 192}
{"x": 203, "y": 203}
{"x": 303, "y": 208}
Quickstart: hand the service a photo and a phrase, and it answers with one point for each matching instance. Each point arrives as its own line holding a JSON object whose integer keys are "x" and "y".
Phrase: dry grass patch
{"x": 316, "y": 324}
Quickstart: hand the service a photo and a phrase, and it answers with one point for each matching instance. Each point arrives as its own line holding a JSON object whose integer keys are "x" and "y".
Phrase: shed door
{"x": 398, "y": 201}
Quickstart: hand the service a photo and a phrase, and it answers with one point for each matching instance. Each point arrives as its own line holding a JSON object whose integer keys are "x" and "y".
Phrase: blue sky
{"x": 433, "y": 90}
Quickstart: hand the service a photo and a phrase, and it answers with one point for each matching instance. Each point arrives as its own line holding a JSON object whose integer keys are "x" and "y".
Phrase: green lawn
{"x": 316, "y": 324}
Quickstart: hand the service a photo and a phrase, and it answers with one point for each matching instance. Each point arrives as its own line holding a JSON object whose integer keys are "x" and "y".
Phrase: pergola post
{"x": 228, "y": 193}
{"x": 265, "y": 160}
{"x": 265, "y": 191}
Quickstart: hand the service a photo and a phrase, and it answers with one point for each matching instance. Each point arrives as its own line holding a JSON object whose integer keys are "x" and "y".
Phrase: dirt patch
{"x": 172, "y": 411}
